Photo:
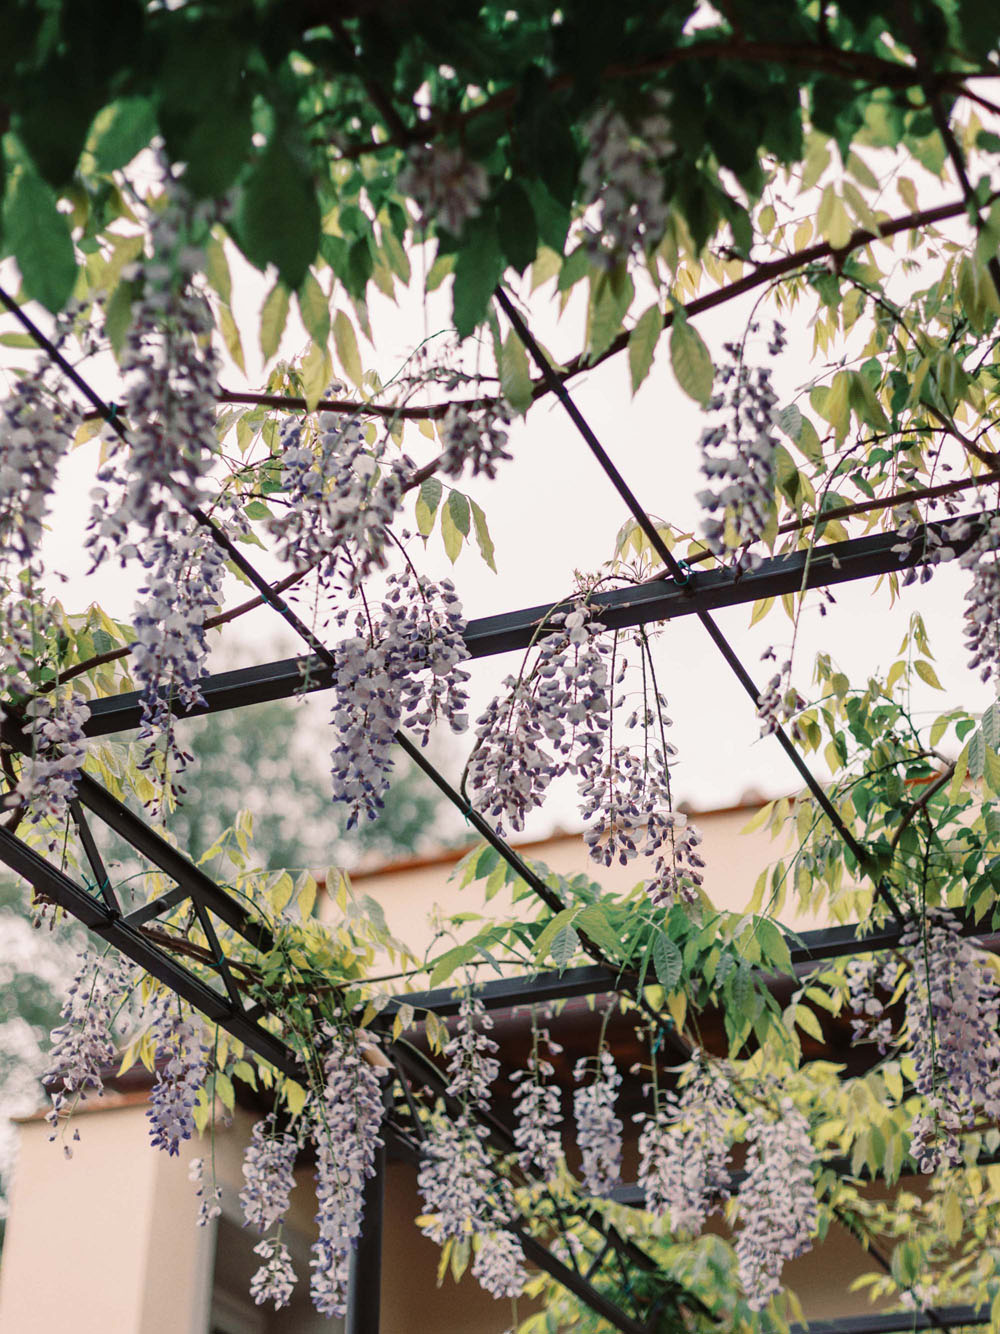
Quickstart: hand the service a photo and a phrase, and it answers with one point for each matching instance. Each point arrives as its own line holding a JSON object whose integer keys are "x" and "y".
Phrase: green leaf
{"x": 516, "y": 225}
{"x": 317, "y": 372}
{"x": 551, "y": 930}
{"x": 667, "y": 961}
{"x": 642, "y": 344}
{"x": 121, "y": 131}
{"x": 594, "y": 921}
{"x": 118, "y": 316}
{"x": 295, "y": 1096}
{"x": 483, "y": 539}
{"x": 273, "y": 317}
{"x": 224, "y": 1090}
{"x": 278, "y": 219}
{"x": 427, "y": 502}
{"x": 564, "y": 946}
{"x": 458, "y": 508}
{"x": 610, "y": 297}
{"x": 448, "y": 962}
{"x": 790, "y": 420}
{"x": 807, "y": 1021}
{"x": 691, "y": 362}
{"x": 231, "y": 336}
{"x": 450, "y": 535}
{"x": 217, "y": 269}
{"x": 314, "y": 309}
{"x": 991, "y": 768}
{"x": 515, "y": 375}
{"x": 346, "y": 342}
{"x": 38, "y": 236}
{"x": 478, "y": 269}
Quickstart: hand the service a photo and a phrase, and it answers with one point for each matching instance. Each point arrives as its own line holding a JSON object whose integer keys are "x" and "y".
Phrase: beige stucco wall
{"x": 733, "y": 861}
{"x": 103, "y": 1241}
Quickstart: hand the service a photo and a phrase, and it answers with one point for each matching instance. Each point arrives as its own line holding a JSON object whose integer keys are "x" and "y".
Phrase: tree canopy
{"x": 826, "y": 166}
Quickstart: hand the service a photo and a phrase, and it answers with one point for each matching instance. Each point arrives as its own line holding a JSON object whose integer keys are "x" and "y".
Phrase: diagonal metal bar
{"x": 55, "y": 884}
{"x": 94, "y": 856}
{"x": 157, "y": 907}
{"x": 621, "y": 608}
{"x": 682, "y": 579}
{"x": 220, "y": 961}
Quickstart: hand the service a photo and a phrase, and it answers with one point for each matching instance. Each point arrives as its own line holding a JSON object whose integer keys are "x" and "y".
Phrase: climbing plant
{"x": 825, "y": 165}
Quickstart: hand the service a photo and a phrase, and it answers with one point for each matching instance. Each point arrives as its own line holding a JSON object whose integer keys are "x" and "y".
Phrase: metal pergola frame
{"x": 679, "y": 593}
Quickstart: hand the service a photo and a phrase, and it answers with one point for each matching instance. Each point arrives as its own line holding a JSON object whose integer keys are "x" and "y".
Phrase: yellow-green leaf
{"x": 273, "y": 315}
{"x": 642, "y": 344}
{"x": 347, "y": 347}
{"x": 314, "y": 308}
{"x": 515, "y": 374}
{"x": 927, "y": 673}
{"x": 691, "y": 362}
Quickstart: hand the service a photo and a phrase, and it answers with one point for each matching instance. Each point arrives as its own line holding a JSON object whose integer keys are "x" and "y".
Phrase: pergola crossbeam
{"x": 620, "y": 608}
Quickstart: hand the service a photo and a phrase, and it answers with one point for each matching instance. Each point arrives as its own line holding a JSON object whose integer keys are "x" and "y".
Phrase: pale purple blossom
{"x": 472, "y": 1067}
{"x": 275, "y": 1279}
{"x": 448, "y": 186}
{"x": 952, "y": 1020}
{"x": 684, "y": 1150}
{"x": 209, "y": 1197}
{"x": 538, "y": 1113}
{"x": 776, "y": 1203}
{"x": 598, "y": 1128}
{"x": 269, "y": 1175}
{"x": 346, "y": 1132}
{"x": 623, "y": 181}
{"x": 181, "y": 1071}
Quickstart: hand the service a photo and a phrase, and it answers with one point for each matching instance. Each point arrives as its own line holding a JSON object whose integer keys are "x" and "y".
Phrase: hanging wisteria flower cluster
{"x": 739, "y": 452}
{"x": 448, "y": 186}
{"x": 171, "y": 387}
{"x": 346, "y": 1131}
{"x": 538, "y": 1111}
{"x": 551, "y": 721}
{"x": 83, "y": 1046}
{"x": 472, "y": 1067}
{"x": 341, "y": 494}
{"x": 623, "y": 177}
{"x": 170, "y": 652}
{"x": 268, "y": 1172}
{"x": 209, "y": 1197}
{"x": 463, "y": 1197}
{"x": 776, "y": 1203}
{"x": 871, "y": 1021}
{"x": 36, "y": 429}
{"x": 400, "y": 669}
{"x": 475, "y": 438}
{"x": 598, "y": 1128}
{"x": 952, "y": 1019}
{"x": 181, "y": 1070}
{"x": 982, "y": 614}
{"x": 684, "y": 1149}
{"x": 51, "y": 771}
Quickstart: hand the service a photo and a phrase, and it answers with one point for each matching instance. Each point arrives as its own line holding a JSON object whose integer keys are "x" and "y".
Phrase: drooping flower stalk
{"x": 83, "y": 1046}
{"x": 538, "y": 1111}
{"x": 551, "y": 721}
{"x": 181, "y": 1071}
{"x": 738, "y": 456}
{"x": 623, "y": 177}
{"x": 776, "y": 1203}
{"x": 400, "y": 669}
{"x": 598, "y": 1128}
{"x": 952, "y": 1020}
{"x": 448, "y": 186}
{"x": 346, "y": 1131}
{"x": 684, "y": 1149}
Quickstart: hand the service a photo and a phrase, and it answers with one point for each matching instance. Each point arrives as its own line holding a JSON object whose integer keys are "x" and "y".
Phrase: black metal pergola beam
{"x": 898, "y": 1322}
{"x": 620, "y": 608}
